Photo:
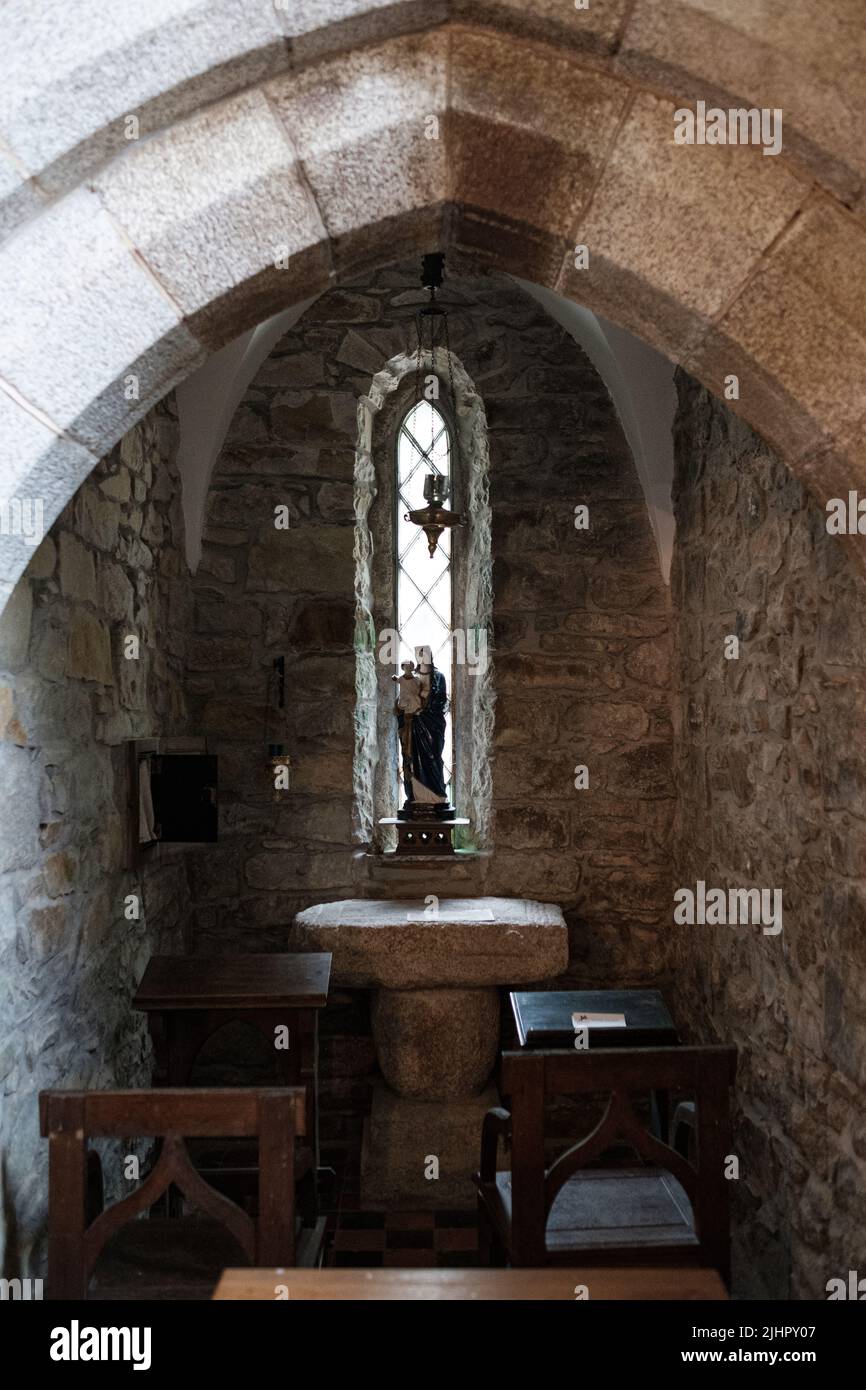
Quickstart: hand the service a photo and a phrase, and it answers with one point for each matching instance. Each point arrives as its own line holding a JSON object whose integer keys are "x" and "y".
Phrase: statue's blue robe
{"x": 428, "y": 738}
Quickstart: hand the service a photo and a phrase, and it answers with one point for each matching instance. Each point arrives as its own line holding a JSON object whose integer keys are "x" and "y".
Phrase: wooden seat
{"x": 664, "y": 1210}
{"x": 110, "y": 1255}
{"x": 608, "y": 1209}
{"x": 164, "y": 1260}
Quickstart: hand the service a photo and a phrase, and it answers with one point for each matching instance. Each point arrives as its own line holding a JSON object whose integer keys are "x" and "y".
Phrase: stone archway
{"x": 343, "y": 147}
{"x": 269, "y": 166}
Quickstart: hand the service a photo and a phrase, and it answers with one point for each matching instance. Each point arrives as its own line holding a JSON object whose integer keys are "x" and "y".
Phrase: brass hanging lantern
{"x": 435, "y": 517}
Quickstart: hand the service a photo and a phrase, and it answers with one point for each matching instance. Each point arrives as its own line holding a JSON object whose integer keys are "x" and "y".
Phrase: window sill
{"x": 462, "y": 874}
{"x": 388, "y": 857}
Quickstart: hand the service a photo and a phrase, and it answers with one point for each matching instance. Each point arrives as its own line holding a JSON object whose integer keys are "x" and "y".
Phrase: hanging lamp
{"x": 432, "y": 320}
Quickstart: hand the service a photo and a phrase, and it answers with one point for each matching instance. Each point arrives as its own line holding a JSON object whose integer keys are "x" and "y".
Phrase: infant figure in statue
{"x": 410, "y": 696}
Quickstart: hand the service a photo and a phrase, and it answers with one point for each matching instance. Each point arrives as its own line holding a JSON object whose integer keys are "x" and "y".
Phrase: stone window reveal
{"x": 387, "y": 467}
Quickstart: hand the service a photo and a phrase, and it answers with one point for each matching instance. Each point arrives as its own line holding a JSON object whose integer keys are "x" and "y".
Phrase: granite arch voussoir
{"x": 116, "y": 292}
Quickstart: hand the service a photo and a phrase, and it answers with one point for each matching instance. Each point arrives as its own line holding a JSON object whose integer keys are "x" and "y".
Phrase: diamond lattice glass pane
{"x": 414, "y": 555}
{"x": 439, "y": 598}
{"x": 421, "y": 562}
{"x": 407, "y": 532}
{"x": 412, "y": 480}
{"x": 440, "y": 454}
{"x": 423, "y": 628}
{"x": 427, "y": 428}
{"x": 423, "y": 439}
{"x": 428, "y": 457}
{"x": 408, "y": 598}
{"x": 424, "y": 597}
{"x": 409, "y": 538}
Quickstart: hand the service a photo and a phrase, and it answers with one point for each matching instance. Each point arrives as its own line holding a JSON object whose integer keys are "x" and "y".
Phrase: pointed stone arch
{"x": 726, "y": 261}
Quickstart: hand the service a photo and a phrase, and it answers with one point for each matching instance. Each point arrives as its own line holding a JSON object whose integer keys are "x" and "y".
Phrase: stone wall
{"x": 581, "y": 648}
{"x": 260, "y": 593}
{"x": 580, "y": 626}
{"x": 580, "y": 634}
{"x": 771, "y": 782}
{"x": 69, "y": 959}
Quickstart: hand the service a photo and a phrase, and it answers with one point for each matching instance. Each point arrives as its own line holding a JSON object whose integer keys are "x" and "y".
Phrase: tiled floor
{"x": 393, "y": 1240}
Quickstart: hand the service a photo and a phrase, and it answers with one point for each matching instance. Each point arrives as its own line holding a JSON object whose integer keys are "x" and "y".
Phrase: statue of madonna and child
{"x": 421, "y": 704}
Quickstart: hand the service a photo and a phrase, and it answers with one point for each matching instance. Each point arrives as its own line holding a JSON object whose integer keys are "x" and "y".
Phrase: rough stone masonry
{"x": 70, "y": 955}
{"x": 771, "y": 790}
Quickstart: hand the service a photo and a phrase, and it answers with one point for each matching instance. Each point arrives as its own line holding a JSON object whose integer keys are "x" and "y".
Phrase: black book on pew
{"x": 544, "y": 1018}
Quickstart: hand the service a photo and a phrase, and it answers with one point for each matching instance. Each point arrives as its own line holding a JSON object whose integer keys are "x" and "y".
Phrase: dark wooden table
{"x": 543, "y": 1019}
{"x": 188, "y": 998}
{"x": 471, "y": 1285}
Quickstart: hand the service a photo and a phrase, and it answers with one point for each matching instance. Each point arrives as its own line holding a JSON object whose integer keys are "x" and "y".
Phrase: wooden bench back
{"x": 625, "y": 1074}
{"x": 69, "y": 1118}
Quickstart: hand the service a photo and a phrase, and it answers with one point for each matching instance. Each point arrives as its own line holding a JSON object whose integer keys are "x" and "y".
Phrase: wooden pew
{"x": 177, "y": 1258}
{"x": 663, "y": 1210}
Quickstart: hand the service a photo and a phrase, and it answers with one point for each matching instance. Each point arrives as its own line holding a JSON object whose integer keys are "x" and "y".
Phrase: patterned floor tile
{"x": 362, "y": 1220}
{"x": 456, "y": 1238}
{"x": 410, "y": 1240}
{"x": 409, "y": 1221}
{"x": 359, "y": 1239}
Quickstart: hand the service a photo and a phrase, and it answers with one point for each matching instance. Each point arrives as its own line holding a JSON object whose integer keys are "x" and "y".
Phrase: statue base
{"x": 426, "y": 810}
{"x": 425, "y": 834}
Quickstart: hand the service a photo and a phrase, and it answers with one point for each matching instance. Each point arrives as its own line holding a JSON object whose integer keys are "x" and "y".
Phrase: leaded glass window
{"x": 424, "y": 590}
